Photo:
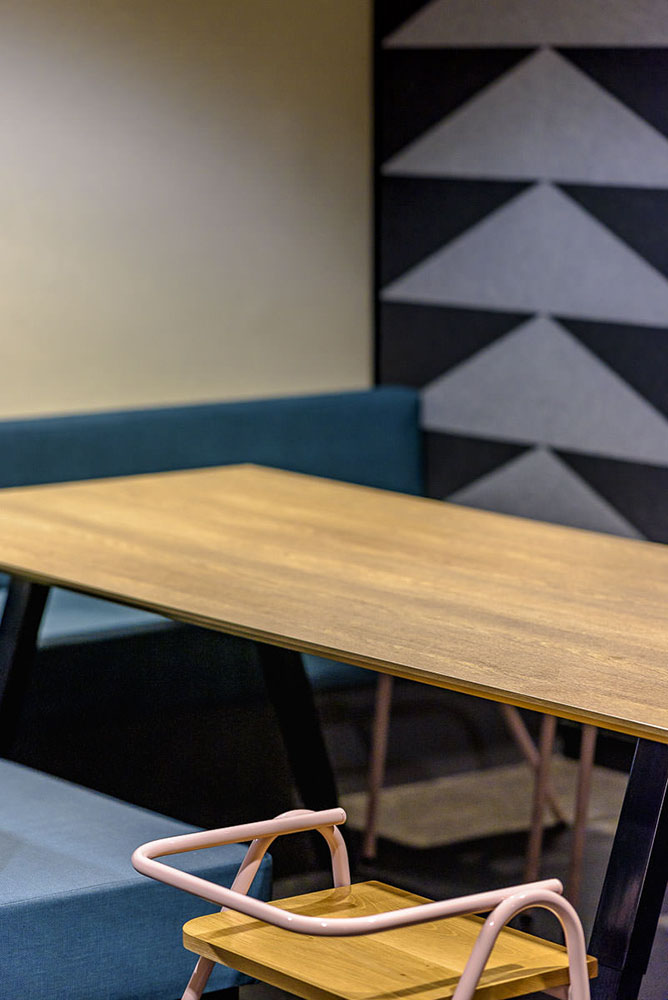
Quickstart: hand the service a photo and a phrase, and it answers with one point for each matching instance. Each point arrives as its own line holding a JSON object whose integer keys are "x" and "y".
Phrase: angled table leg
{"x": 291, "y": 695}
{"x": 635, "y": 882}
{"x": 18, "y": 637}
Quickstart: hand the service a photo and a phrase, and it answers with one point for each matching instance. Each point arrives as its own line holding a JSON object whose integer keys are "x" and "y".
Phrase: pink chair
{"x": 369, "y": 940}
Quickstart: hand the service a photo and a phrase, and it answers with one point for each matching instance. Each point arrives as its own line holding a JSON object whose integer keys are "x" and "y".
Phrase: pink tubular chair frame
{"x": 503, "y": 903}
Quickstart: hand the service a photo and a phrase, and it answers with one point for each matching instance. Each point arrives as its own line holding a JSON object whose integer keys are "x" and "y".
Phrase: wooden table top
{"x": 569, "y": 622}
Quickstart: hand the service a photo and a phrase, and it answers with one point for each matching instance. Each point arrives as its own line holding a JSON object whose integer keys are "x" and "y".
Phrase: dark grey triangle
{"x": 639, "y": 216}
{"x": 419, "y": 215}
{"x": 418, "y": 343}
{"x": 390, "y": 14}
{"x": 639, "y": 354}
{"x": 636, "y": 76}
{"x": 419, "y": 87}
{"x": 638, "y": 491}
{"x": 452, "y": 461}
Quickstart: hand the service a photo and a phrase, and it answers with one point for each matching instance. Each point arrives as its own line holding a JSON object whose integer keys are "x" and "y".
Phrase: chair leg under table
{"x": 539, "y": 760}
{"x": 378, "y": 756}
{"x": 541, "y": 783}
{"x": 522, "y": 737}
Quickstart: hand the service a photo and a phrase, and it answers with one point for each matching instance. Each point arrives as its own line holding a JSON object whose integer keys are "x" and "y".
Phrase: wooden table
{"x": 567, "y": 622}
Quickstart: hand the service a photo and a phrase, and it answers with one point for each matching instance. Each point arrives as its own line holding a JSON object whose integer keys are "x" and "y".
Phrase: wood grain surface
{"x": 569, "y": 622}
{"x": 422, "y": 962}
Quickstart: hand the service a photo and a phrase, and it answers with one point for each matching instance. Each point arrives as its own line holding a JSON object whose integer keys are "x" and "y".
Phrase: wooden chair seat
{"x": 422, "y": 962}
{"x": 369, "y": 941}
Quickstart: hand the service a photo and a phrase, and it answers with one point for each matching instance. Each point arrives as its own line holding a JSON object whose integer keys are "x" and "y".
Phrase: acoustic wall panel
{"x": 540, "y": 253}
{"x": 410, "y": 230}
{"x": 534, "y": 22}
{"x": 421, "y": 86}
{"x": 538, "y": 479}
{"x": 543, "y": 118}
{"x": 535, "y": 317}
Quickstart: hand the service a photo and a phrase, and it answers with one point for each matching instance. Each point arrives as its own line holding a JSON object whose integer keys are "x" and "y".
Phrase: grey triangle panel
{"x": 639, "y": 216}
{"x": 540, "y": 252}
{"x": 639, "y": 354}
{"x": 422, "y": 86}
{"x": 390, "y": 14}
{"x": 539, "y": 485}
{"x": 638, "y": 491}
{"x": 453, "y": 461}
{"x": 421, "y": 342}
{"x": 636, "y": 76}
{"x": 539, "y": 384}
{"x": 536, "y": 22}
{"x": 543, "y": 118}
{"x": 421, "y": 214}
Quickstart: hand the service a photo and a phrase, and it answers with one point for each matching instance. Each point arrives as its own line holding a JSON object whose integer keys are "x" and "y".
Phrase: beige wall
{"x": 184, "y": 200}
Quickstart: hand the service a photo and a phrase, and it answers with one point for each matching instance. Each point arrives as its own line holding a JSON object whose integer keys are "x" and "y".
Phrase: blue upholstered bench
{"x": 76, "y": 921}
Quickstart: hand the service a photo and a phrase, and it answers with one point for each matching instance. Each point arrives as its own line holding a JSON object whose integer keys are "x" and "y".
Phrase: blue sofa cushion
{"x": 76, "y": 920}
{"x": 370, "y": 437}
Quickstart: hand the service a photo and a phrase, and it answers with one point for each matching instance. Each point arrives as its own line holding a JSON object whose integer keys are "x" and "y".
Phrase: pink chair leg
{"x": 244, "y": 879}
{"x": 587, "y": 751}
{"x": 519, "y": 732}
{"x": 381, "y": 725}
{"x": 505, "y": 911}
{"x": 548, "y": 729}
{"x": 199, "y": 979}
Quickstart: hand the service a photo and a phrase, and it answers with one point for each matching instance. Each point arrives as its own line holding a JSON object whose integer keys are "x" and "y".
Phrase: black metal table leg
{"x": 291, "y": 695}
{"x": 635, "y": 882}
{"x": 18, "y": 637}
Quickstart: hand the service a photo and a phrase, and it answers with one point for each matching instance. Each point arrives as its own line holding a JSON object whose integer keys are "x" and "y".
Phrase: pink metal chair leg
{"x": 502, "y": 914}
{"x": 244, "y": 879}
{"x": 534, "y": 849}
{"x": 543, "y": 794}
{"x": 519, "y": 732}
{"x": 381, "y": 726}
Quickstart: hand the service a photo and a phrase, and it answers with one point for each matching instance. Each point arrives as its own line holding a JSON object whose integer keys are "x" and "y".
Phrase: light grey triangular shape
{"x": 543, "y": 119}
{"x": 534, "y": 22}
{"x": 539, "y": 385}
{"x": 541, "y": 253}
{"x": 538, "y": 485}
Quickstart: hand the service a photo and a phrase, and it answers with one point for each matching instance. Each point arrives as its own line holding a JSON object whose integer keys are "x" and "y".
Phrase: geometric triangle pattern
{"x": 420, "y": 342}
{"x": 424, "y": 213}
{"x": 421, "y": 87}
{"x": 539, "y": 485}
{"x": 639, "y": 354}
{"x": 453, "y": 461}
{"x": 542, "y": 253}
{"x": 514, "y": 390}
{"x": 633, "y": 214}
{"x": 564, "y": 126}
{"x": 522, "y": 251}
{"x": 638, "y": 491}
{"x": 534, "y": 22}
{"x": 391, "y": 13}
{"x": 637, "y": 77}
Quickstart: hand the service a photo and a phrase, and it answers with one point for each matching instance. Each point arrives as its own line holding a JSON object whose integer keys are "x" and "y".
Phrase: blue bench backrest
{"x": 370, "y": 437}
